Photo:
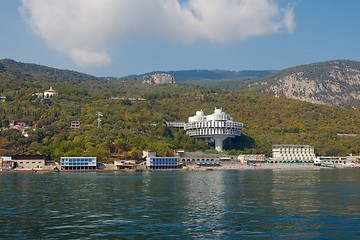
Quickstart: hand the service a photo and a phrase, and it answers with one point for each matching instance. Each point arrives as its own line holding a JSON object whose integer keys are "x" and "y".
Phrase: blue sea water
{"x": 260, "y": 204}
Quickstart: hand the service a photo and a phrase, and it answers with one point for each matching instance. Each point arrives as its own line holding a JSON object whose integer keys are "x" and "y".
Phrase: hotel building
{"x": 162, "y": 162}
{"x": 214, "y": 128}
{"x": 293, "y": 153}
{"x": 154, "y": 162}
{"x": 78, "y": 163}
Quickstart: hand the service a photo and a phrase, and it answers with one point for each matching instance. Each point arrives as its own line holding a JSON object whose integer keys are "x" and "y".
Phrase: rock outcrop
{"x": 329, "y": 83}
{"x": 158, "y": 78}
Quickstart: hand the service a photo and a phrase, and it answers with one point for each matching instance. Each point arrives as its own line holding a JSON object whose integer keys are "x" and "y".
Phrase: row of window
{"x": 214, "y": 131}
{"x": 29, "y": 162}
{"x": 298, "y": 158}
{"x": 78, "y": 161}
{"x": 164, "y": 160}
{"x": 213, "y": 124}
{"x": 294, "y": 149}
{"x": 294, "y": 155}
{"x": 77, "y": 164}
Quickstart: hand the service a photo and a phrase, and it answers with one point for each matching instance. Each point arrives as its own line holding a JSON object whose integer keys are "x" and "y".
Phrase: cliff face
{"x": 328, "y": 83}
{"x": 158, "y": 78}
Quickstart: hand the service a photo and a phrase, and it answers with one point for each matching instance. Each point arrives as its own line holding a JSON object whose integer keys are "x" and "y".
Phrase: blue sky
{"x": 118, "y": 38}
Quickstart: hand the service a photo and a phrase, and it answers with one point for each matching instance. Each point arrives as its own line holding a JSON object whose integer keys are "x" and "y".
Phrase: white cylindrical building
{"x": 213, "y": 128}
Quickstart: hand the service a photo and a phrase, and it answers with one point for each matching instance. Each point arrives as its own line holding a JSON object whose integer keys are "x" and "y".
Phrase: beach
{"x": 273, "y": 166}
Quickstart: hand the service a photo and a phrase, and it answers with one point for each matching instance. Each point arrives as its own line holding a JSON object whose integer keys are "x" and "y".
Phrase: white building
{"x": 329, "y": 160}
{"x": 50, "y": 93}
{"x": 213, "y": 128}
{"x": 154, "y": 162}
{"x": 125, "y": 164}
{"x": 78, "y": 163}
{"x": 75, "y": 124}
{"x": 293, "y": 153}
{"x": 260, "y": 158}
{"x": 162, "y": 162}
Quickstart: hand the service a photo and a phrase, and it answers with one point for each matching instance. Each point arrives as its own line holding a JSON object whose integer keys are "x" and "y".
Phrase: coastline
{"x": 224, "y": 167}
{"x": 262, "y": 166}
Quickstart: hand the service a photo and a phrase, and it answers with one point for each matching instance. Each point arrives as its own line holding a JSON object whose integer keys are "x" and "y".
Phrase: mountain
{"x": 11, "y": 70}
{"x": 128, "y": 127}
{"x": 334, "y": 83}
{"x": 205, "y": 76}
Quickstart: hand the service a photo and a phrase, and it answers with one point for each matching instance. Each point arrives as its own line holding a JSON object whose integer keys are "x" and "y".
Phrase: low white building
{"x": 293, "y": 153}
{"x": 260, "y": 158}
{"x": 330, "y": 160}
{"x": 154, "y": 162}
{"x": 125, "y": 164}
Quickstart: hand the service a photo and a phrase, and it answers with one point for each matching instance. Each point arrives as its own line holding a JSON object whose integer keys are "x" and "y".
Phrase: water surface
{"x": 182, "y": 205}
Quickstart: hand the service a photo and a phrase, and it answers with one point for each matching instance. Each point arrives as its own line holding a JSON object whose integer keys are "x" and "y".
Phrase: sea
{"x": 232, "y": 204}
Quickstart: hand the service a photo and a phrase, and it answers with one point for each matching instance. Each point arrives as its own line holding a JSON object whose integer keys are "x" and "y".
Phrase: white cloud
{"x": 86, "y": 30}
{"x": 86, "y": 58}
{"x": 289, "y": 19}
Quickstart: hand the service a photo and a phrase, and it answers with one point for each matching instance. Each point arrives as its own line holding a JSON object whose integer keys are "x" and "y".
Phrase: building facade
{"x": 162, "y": 162}
{"x": 203, "y": 159}
{"x": 214, "y": 128}
{"x": 125, "y": 164}
{"x": 293, "y": 153}
{"x": 78, "y": 163}
{"x": 75, "y": 124}
{"x": 51, "y": 93}
{"x": 330, "y": 160}
{"x": 6, "y": 163}
{"x": 252, "y": 158}
{"x": 31, "y": 161}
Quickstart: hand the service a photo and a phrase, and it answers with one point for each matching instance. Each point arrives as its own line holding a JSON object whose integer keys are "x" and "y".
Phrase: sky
{"x": 122, "y": 37}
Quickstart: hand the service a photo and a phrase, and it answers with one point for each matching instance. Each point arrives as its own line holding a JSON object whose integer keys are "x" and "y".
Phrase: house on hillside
{"x": 51, "y": 93}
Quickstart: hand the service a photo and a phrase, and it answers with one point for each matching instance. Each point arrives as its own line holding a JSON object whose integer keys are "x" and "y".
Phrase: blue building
{"x": 78, "y": 163}
{"x": 162, "y": 162}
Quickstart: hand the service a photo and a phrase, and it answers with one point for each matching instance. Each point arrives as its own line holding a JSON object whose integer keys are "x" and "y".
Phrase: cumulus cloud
{"x": 85, "y": 30}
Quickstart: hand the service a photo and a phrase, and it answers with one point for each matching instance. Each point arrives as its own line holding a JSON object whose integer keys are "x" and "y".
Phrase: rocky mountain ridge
{"x": 333, "y": 83}
{"x": 330, "y": 83}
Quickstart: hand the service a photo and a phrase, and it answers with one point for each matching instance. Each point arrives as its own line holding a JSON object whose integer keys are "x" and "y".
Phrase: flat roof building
{"x": 78, "y": 163}
{"x": 31, "y": 161}
{"x": 201, "y": 158}
{"x": 252, "y": 158}
{"x": 293, "y": 153}
{"x": 125, "y": 164}
{"x": 162, "y": 162}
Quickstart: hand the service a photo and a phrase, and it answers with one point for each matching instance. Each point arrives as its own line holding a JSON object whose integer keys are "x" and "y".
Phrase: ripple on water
{"x": 182, "y": 205}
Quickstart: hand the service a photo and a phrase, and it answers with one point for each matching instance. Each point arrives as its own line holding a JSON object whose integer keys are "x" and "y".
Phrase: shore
{"x": 224, "y": 166}
{"x": 272, "y": 166}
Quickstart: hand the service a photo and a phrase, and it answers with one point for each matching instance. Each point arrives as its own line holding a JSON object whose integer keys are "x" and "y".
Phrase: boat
{"x": 330, "y": 165}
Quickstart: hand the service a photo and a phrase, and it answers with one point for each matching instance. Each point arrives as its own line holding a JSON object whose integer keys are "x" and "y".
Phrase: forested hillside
{"x": 128, "y": 127}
